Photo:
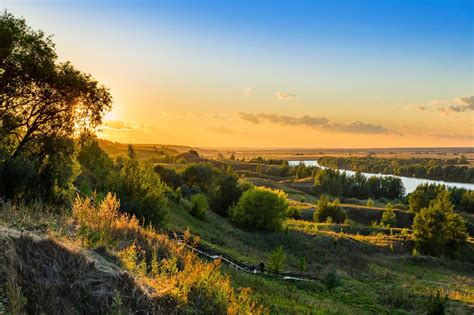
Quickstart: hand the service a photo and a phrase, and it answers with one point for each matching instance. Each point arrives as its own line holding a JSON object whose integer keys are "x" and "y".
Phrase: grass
{"x": 161, "y": 275}
{"x": 377, "y": 271}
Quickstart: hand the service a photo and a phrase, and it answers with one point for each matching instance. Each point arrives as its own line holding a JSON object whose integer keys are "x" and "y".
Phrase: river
{"x": 410, "y": 183}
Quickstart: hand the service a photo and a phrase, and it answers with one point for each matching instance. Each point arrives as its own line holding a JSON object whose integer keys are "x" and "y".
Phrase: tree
{"x": 227, "y": 193}
{"x": 437, "y": 228}
{"x": 422, "y": 196}
{"x": 327, "y": 209}
{"x": 389, "y": 219}
{"x": 200, "y": 175}
{"x": 467, "y": 201}
{"x": 200, "y": 206}
{"x": 42, "y": 104}
{"x": 140, "y": 190}
{"x": 260, "y": 208}
{"x": 96, "y": 166}
{"x": 278, "y": 259}
{"x": 331, "y": 281}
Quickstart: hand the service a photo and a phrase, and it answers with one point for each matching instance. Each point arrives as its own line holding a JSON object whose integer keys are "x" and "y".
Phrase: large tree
{"x": 43, "y": 104}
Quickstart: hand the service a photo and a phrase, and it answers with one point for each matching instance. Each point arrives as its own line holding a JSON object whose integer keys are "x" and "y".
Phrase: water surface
{"x": 410, "y": 183}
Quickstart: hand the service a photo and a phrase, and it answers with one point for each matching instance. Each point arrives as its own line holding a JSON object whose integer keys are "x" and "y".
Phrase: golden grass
{"x": 162, "y": 265}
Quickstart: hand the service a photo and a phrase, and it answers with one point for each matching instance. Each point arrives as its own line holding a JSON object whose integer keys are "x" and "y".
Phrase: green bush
{"x": 200, "y": 206}
{"x": 260, "y": 208}
{"x": 277, "y": 259}
{"x": 331, "y": 281}
{"x": 331, "y": 211}
{"x": 389, "y": 219}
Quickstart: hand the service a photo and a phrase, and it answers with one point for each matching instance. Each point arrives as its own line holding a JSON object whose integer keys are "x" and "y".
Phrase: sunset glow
{"x": 273, "y": 74}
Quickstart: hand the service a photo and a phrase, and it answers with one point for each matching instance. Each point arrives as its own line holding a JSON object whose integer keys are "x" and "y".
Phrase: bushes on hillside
{"x": 200, "y": 206}
{"x": 327, "y": 209}
{"x": 389, "y": 219}
{"x": 437, "y": 228}
{"x": 260, "y": 208}
{"x": 221, "y": 187}
{"x": 184, "y": 281}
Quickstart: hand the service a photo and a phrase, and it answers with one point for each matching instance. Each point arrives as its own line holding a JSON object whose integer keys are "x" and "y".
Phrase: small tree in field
{"x": 329, "y": 210}
{"x": 260, "y": 208}
{"x": 389, "y": 219}
{"x": 278, "y": 259}
{"x": 331, "y": 281}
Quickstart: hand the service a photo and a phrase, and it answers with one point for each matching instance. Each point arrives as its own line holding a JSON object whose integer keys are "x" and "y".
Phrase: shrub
{"x": 140, "y": 190}
{"x": 278, "y": 259}
{"x": 437, "y": 228}
{"x": 329, "y": 211}
{"x": 389, "y": 218}
{"x": 180, "y": 276}
{"x": 200, "y": 206}
{"x": 302, "y": 264}
{"x": 331, "y": 281}
{"x": 370, "y": 202}
{"x": 260, "y": 208}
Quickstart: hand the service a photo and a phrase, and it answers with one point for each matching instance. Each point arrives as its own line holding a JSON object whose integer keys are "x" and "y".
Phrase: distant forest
{"x": 456, "y": 170}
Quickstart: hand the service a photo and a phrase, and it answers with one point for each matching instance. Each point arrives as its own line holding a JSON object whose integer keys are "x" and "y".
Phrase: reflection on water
{"x": 410, "y": 183}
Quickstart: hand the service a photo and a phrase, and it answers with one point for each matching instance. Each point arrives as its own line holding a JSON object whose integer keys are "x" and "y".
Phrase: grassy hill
{"x": 377, "y": 271}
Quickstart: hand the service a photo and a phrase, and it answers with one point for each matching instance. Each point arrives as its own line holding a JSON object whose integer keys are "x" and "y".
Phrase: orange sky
{"x": 232, "y": 76}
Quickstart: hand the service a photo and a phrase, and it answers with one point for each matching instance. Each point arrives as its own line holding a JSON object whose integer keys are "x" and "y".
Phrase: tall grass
{"x": 158, "y": 262}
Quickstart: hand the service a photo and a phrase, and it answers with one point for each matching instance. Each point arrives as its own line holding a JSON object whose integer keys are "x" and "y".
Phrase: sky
{"x": 312, "y": 74}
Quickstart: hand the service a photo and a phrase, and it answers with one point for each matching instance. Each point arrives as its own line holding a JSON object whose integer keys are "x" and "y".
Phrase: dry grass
{"x": 158, "y": 263}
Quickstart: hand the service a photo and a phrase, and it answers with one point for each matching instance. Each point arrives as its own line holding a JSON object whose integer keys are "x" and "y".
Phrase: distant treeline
{"x": 339, "y": 184}
{"x": 455, "y": 170}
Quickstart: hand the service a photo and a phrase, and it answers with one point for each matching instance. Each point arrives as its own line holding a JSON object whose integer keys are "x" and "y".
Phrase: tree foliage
{"x": 437, "y": 228}
{"x": 278, "y": 259}
{"x": 389, "y": 219}
{"x": 327, "y": 209}
{"x": 335, "y": 183}
{"x": 260, "y": 208}
{"x": 200, "y": 206}
{"x": 42, "y": 104}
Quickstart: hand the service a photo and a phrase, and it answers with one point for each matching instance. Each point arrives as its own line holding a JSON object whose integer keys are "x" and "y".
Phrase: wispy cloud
{"x": 356, "y": 127}
{"x": 247, "y": 91}
{"x": 462, "y": 104}
{"x": 249, "y": 117}
{"x": 285, "y": 96}
{"x": 119, "y": 125}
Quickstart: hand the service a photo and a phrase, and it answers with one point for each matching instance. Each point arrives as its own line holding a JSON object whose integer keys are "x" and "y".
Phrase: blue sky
{"x": 396, "y": 64}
